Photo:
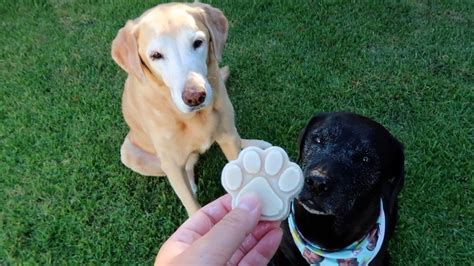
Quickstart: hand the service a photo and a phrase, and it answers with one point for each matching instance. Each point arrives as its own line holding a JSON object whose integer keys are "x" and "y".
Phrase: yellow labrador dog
{"x": 175, "y": 101}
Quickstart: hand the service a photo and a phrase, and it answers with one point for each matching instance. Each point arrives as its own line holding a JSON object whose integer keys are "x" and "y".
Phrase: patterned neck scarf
{"x": 360, "y": 252}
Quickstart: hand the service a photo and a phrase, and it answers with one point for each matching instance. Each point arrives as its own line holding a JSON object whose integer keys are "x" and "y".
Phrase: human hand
{"x": 218, "y": 235}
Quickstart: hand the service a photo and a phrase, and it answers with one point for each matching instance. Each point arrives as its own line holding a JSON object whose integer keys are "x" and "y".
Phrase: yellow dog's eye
{"x": 197, "y": 44}
{"x": 156, "y": 56}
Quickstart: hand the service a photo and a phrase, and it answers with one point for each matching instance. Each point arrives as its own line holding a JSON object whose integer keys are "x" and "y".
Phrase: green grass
{"x": 65, "y": 196}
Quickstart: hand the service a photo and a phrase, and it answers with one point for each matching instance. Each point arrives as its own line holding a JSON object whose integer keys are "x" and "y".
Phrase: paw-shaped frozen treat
{"x": 268, "y": 173}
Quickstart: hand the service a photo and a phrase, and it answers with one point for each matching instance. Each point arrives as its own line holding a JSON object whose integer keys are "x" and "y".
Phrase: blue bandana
{"x": 360, "y": 252}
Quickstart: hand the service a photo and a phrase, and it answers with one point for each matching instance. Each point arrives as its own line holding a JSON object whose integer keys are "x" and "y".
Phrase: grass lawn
{"x": 65, "y": 196}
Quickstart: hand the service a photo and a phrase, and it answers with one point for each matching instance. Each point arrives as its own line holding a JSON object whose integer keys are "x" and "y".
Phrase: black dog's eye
{"x": 197, "y": 44}
{"x": 156, "y": 56}
{"x": 362, "y": 158}
{"x": 318, "y": 139}
{"x": 365, "y": 159}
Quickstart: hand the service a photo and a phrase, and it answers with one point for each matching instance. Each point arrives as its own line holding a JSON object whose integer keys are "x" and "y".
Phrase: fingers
{"x": 221, "y": 242}
{"x": 264, "y": 249}
{"x": 193, "y": 229}
{"x": 203, "y": 220}
{"x": 252, "y": 240}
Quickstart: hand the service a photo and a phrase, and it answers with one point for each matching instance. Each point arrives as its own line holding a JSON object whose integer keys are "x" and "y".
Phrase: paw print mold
{"x": 268, "y": 173}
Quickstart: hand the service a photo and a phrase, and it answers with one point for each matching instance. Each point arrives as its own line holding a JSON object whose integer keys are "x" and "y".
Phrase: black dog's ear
{"x": 395, "y": 174}
{"x": 316, "y": 119}
{"x": 398, "y": 163}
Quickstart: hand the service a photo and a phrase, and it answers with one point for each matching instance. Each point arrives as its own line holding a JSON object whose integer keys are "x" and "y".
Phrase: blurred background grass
{"x": 66, "y": 197}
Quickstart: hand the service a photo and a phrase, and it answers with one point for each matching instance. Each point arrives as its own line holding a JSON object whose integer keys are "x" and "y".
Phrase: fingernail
{"x": 249, "y": 202}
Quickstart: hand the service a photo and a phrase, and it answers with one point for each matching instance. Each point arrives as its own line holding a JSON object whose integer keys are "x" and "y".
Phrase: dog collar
{"x": 360, "y": 252}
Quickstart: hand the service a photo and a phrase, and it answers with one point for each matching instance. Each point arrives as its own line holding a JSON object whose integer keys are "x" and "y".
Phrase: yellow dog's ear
{"x": 125, "y": 51}
{"x": 217, "y": 25}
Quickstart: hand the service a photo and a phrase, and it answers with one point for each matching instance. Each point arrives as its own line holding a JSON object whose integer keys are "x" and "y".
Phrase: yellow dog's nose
{"x": 192, "y": 97}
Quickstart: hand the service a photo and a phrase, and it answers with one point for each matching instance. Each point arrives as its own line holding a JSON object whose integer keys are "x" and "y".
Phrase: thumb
{"x": 221, "y": 242}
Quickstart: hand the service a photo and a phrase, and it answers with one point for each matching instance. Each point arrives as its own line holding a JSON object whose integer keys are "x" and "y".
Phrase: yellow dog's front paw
{"x": 268, "y": 173}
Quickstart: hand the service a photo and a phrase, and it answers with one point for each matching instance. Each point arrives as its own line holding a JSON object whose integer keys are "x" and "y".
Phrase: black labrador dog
{"x": 352, "y": 165}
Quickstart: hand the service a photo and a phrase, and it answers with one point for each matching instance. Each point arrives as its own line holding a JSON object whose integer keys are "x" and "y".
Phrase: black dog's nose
{"x": 317, "y": 184}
